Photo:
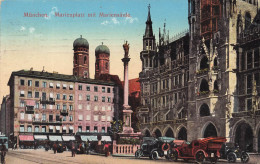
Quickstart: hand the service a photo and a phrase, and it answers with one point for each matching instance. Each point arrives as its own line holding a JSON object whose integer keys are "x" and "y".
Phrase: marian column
{"x": 126, "y": 108}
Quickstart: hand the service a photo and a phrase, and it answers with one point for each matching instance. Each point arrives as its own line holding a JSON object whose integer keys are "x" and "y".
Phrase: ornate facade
{"x": 218, "y": 95}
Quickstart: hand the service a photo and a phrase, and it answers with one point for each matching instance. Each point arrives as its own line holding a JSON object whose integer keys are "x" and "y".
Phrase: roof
{"x": 111, "y": 78}
{"x": 81, "y": 42}
{"x": 102, "y": 49}
{"x": 134, "y": 85}
{"x": 56, "y": 76}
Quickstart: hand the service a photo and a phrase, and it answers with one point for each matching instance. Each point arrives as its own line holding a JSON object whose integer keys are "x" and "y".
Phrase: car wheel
{"x": 231, "y": 157}
{"x": 154, "y": 155}
{"x": 173, "y": 156}
{"x": 200, "y": 157}
{"x": 244, "y": 157}
{"x": 138, "y": 153}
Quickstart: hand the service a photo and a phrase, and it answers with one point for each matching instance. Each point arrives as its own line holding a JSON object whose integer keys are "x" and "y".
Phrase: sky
{"x": 37, "y": 42}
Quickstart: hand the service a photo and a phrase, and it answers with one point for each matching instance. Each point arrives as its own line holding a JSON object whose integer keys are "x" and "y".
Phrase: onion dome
{"x": 81, "y": 42}
{"x": 102, "y": 49}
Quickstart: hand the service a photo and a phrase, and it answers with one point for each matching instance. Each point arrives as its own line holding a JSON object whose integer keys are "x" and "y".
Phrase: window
{"x": 103, "y": 99}
{"x": 36, "y": 129}
{"x": 51, "y": 97}
{"x": 95, "y": 89}
{"x": 95, "y": 129}
{"x": 44, "y": 84}
{"x": 109, "y": 108}
{"x": 249, "y": 60}
{"x": 37, "y": 95}
{"x": 22, "y": 104}
{"x": 37, "y": 105}
{"x": 64, "y": 86}
{"x": 22, "y": 116}
{"x": 71, "y": 97}
{"x": 256, "y": 57}
{"x": 103, "y": 89}
{"x": 44, "y": 96}
{"x": 43, "y": 117}
{"x": 79, "y": 106}
{"x": 57, "y": 118}
{"x": 80, "y": 97}
{"x": 103, "y": 108}
{"x": 249, "y": 84}
{"x": 64, "y": 119}
{"x": 29, "y": 116}
{"x": 58, "y": 106}
{"x": 108, "y": 118}
{"x": 88, "y": 97}
{"x": 57, "y": 86}
{"x": 88, "y": 88}
{"x": 43, "y": 129}
{"x": 247, "y": 20}
{"x": 96, "y": 108}
{"x": 51, "y": 85}
{"x": 58, "y": 96}
{"x": 71, "y": 87}
{"x": 103, "y": 118}
{"x": 103, "y": 129}
{"x": 21, "y": 82}
{"x": 249, "y": 104}
{"x": 109, "y": 99}
{"x": 21, "y": 128}
{"x": 51, "y": 129}
{"x": 51, "y": 106}
{"x": 29, "y": 83}
{"x": 95, "y": 98}
{"x": 80, "y": 87}
{"x": 88, "y": 107}
{"x": 37, "y": 84}
{"x": 87, "y": 128}
{"x": 71, "y": 118}
{"x": 79, "y": 128}
{"x": 43, "y": 106}
{"x": 80, "y": 117}
{"x": 50, "y": 118}
{"x": 70, "y": 107}
{"x": 64, "y": 107}
{"x": 21, "y": 93}
{"x": 88, "y": 117}
{"x": 64, "y": 97}
{"x": 95, "y": 117}
{"x": 108, "y": 90}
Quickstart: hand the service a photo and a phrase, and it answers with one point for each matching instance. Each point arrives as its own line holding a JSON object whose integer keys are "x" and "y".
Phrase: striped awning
{"x": 55, "y": 138}
{"x": 68, "y": 138}
{"x": 90, "y": 138}
{"x": 40, "y": 137}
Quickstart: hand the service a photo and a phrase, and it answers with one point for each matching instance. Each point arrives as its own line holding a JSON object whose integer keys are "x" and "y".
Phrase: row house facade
{"x": 51, "y": 103}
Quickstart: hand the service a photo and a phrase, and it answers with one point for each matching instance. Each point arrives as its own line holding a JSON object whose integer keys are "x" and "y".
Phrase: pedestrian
{"x": 54, "y": 147}
{"x": 3, "y": 153}
{"x": 87, "y": 147}
{"x": 73, "y": 149}
{"x": 106, "y": 147}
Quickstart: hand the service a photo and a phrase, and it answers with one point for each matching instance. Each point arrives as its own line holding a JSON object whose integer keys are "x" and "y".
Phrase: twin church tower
{"x": 81, "y": 59}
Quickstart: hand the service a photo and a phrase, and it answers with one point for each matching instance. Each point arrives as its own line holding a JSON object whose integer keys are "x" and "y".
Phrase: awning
{"x": 64, "y": 128}
{"x": 55, "y": 138}
{"x": 90, "y": 138}
{"x": 68, "y": 138}
{"x": 30, "y": 102}
{"x": 40, "y": 137}
{"x": 71, "y": 86}
{"x": 106, "y": 138}
{"x": 26, "y": 138}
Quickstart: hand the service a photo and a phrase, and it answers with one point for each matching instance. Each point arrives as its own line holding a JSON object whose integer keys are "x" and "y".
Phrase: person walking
{"x": 73, "y": 149}
{"x": 3, "y": 153}
{"x": 87, "y": 147}
{"x": 55, "y": 147}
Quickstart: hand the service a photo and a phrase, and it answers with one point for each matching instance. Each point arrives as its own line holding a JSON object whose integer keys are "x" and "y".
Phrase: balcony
{"x": 64, "y": 112}
{"x": 29, "y": 109}
{"x": 44, "y": 100}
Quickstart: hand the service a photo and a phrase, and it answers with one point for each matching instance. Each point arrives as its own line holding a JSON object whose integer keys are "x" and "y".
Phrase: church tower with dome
{"x": 102, "y": 54}
{"x": 81, "y": 58}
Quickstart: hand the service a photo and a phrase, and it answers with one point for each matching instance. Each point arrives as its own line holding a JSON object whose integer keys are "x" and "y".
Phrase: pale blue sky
{"x": 37, "y": 42}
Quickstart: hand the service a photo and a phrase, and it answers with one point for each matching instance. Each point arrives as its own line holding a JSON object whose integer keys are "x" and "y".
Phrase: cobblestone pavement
{"x": 29, "y": 156}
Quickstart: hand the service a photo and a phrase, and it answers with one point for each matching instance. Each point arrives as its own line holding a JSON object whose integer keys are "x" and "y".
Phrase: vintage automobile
{"x": 61, "y": 147}
{"x": 231, "y": 152}
{"x": 199, "y": 150}
{"x": 154, "y": 148}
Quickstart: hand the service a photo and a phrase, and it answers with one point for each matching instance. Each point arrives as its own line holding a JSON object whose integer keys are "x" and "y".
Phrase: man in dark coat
{"x": 3, "y": 153}
{"x": 55, "y": 146}
{"x": 73, "y": 149}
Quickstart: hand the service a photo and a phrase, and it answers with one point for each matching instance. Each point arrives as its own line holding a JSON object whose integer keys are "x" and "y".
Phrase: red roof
{"x": 134, "y": 85}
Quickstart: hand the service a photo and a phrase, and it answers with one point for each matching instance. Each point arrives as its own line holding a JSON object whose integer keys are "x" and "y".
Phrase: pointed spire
{"x": 149, "y": 28}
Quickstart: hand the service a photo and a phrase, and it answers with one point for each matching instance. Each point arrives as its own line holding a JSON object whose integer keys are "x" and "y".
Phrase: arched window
{"x": 204, "y": 86}
{"x": 204, "y": 63}
{"x": 85, "y": 60}
{"x": 216, "y": 86}
{"x": 204, "y": 110}
{"x": 247, "y": 20}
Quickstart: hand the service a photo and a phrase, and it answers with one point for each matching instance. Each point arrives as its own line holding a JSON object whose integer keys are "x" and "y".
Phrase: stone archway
{"x": 169, "y": 133}
{"x": 182, "y": 135}
{"x": 157, "y": 133}
{"x": 204, "y": 110}
{"x": 147, "y": 133}
{"x": 244, "y": 137}
{"x": 210, "y": 131}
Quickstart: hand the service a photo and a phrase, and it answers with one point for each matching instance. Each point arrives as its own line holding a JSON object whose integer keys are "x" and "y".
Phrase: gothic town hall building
{"x": 206, "y": 81}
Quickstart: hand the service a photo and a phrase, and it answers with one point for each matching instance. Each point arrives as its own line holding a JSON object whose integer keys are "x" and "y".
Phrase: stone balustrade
{"x": 125, "y": 149}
